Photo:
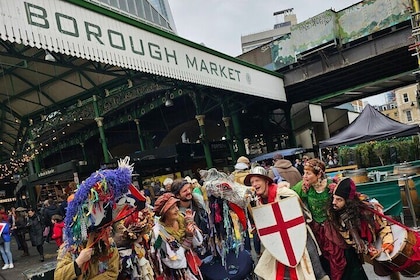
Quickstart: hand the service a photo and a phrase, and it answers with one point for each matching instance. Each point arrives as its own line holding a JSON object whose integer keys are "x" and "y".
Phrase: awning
{"x": 285, "y": 153}
{"x": 97, "y": 34}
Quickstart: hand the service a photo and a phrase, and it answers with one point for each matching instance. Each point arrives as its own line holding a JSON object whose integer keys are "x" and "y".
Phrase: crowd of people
{"x": 194, "y": 227}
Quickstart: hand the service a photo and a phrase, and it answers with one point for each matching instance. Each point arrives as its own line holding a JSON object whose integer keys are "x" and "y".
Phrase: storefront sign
{"x": 46, "y": 172}
{"x": 66, "y": 28}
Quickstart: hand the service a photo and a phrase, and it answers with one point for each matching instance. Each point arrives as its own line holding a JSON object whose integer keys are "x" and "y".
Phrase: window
{"x": 395, "y": 114}
{"x": 405, "y": 97}
{"x": 409, "y": 117}
{"x": 392, "y": 106}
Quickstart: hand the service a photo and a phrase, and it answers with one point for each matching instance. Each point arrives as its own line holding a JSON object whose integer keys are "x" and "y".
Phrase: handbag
{"x": 46, "y": 232}
{"x": 1, "y": 240}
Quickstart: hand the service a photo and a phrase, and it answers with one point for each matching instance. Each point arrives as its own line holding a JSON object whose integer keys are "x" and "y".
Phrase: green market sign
{"x": 66, "y": 28}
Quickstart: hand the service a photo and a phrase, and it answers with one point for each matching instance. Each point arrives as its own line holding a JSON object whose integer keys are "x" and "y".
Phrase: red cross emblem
{"x": 282, "y": 229}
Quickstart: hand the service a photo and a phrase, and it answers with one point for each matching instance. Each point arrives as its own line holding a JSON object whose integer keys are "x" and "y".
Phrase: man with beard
{"x": 182, "y": 189}
{"x": 360, "y": 229}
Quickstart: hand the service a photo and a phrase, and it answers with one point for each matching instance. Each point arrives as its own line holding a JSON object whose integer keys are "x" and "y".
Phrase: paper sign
{"x": 2, "y": 227}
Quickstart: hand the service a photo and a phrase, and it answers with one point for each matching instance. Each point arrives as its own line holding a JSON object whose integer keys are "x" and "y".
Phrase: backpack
{"x": 277, "y": 177}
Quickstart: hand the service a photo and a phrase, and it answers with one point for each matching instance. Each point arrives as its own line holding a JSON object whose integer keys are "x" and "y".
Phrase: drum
{"x": 237, "y": 267}
{"x": 359, "y": 176}
{"x": 403, "y": 249}
{"x": 406, "y": 168}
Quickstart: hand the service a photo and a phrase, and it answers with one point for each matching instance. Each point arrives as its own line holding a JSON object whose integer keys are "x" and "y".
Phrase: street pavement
{"x": 27, "y": 266}
{"x": 30, "y": 263}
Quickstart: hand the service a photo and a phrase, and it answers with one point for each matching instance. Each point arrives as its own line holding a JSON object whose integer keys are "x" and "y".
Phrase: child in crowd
{"x": 5, "y": 244}
{"x": 58, "y": 225}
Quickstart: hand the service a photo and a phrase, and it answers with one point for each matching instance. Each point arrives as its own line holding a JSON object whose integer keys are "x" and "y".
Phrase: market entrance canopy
{"x": 94, "y": 33}
{"x": 368, "y": 126}
{"x": 56, "y": 56}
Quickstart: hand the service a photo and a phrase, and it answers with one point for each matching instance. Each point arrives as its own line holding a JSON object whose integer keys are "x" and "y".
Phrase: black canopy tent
{"x": 370, "y": 125}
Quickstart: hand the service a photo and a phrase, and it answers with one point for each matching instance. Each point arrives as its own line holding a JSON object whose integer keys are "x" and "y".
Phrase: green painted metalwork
{"x": 237, "y": 131}
{"x": 99, "y": 121}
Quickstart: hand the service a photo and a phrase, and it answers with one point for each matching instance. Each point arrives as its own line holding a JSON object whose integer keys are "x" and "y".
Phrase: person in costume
{"x": 173, "y": 238}
{"x": 182, "y": 190}
{"x": 360, "y": 227}
{"x": 131, "y": 235}
{"x": 315, "y": 190}
{"x": 228, "y": 242}
{"x": 89, "y": 251}
{"x": 268, "y": 267}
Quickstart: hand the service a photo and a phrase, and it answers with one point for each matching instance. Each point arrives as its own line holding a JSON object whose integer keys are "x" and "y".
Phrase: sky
{"x": 219, "y": 24}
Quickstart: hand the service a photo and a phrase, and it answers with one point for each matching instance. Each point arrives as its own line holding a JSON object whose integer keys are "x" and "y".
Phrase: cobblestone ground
{"x": 26, "y": 266}
{"x": 29, "y": 263}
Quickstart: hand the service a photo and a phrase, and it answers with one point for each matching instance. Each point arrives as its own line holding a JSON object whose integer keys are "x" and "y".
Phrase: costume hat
{"x": 257, "y": 171}
{"x": 346, "y": 188}
{"x": 164, "y": 203}
{"x": 94, "y": 202}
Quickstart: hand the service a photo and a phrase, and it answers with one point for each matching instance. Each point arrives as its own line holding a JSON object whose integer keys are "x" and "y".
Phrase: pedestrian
{"x": 360, "y": 228}
{"x": 3, "y": 214}
{"x": 20, "y": 228}
{"x": 309, "y": 267}
{"x": 283, "y": 169}
{"x": 315, "y": 190}
{"x": 12, "y": 223}
{"x": 36, "y": 229}
{"x": 242, "y": 167}
{"x": 167, "y": 184}
{"x": 172, "y": 240}
{"x": 50, "y": 210}
{"x": 299, "y": 165}
{"x": 5, "y": 239}
{"x": 58, "y": 225}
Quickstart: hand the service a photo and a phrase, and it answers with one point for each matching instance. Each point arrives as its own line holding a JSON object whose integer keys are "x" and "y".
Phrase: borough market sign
{"x": 66, "y": 28}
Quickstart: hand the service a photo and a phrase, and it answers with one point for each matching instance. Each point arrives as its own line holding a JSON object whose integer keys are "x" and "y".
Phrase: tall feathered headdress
{"x": 94, "y": 201}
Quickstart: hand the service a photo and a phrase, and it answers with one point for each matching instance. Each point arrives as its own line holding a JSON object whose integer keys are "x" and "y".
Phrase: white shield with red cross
{"x": 282, "y": 229}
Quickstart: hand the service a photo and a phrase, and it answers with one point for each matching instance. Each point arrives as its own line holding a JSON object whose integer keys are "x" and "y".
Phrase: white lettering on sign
{"x": 62, "y": 27}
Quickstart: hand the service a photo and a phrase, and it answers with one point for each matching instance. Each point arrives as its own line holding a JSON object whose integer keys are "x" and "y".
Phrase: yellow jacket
{"x": 65, "y": 267}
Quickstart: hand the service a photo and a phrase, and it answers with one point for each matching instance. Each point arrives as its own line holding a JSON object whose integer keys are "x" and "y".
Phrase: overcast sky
{"x": 219, "y": 24}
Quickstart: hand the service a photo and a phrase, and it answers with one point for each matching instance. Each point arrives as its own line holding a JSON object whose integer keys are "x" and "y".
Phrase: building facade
{"x": 153, "y": 12}
{"x": 255, "y": 40}
{"x": 408, "y": 104}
